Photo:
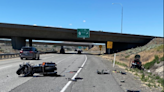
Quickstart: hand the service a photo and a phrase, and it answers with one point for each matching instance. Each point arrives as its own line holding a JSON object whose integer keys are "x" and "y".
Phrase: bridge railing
{"x": 14, "y": 55}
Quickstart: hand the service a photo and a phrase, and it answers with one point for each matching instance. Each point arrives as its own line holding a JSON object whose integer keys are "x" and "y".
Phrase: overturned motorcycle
{"x": 45, "y": 68}
{"x": 137, "y": 63}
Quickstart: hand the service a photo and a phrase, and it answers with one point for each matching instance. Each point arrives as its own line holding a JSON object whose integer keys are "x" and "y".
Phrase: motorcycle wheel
{"x": 20, "y": 70}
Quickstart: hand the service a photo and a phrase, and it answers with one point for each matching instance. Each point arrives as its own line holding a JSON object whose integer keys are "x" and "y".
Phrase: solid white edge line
{"x": 65, "y": 87}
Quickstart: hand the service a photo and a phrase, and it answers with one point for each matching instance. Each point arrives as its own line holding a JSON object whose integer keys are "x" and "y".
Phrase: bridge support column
{"x": 62, "y": 50}
{"x": 30, "y": 42}
{"x": 107, "y": 50}
{"x": 18, "y": 42}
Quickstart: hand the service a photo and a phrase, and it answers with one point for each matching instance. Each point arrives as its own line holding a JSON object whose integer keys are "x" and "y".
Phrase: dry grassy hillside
{"x": 147, "y": 52}
{"x": 96, "y": 49}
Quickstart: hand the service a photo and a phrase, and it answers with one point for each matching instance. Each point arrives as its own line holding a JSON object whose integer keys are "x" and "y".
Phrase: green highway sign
{"x": 83, "y": 33}
{"x": 79, "y": 47}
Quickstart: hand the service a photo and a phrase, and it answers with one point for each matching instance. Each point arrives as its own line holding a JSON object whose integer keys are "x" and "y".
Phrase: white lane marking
{"x": 65, "y": 87}
{"x": 5, "y": 67}
{"x": 63, "y": 59}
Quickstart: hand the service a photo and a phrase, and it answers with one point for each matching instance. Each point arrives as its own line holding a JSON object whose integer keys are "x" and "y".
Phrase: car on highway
{"x": 79, "y": 51}
{"x": 29, "y": 52}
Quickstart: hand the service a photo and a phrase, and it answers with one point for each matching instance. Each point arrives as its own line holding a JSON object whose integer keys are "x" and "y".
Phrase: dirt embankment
{"x": 147, "y": 53}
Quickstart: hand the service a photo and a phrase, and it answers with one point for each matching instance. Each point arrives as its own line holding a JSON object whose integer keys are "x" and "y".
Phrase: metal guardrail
{"x": 14, "y": 55}
{"x": 6, "y": 56}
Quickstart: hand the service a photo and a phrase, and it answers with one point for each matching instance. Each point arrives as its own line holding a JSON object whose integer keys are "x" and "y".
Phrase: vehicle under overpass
{"x": 19, "y": 33}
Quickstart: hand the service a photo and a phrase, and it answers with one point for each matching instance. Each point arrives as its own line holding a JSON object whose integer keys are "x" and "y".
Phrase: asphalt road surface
{"x": 85, "y": 66}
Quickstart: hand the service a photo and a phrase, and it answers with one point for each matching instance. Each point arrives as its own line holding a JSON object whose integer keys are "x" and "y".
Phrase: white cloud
{"x": 70, "y": 24}
{"x": 34, "y": 24}
{"x": 60, "y": 26}
{"x": 84, "y": 20}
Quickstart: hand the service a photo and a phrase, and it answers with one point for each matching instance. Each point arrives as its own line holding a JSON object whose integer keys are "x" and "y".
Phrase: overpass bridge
{"x": 19, "y": 33}
{"x": 57, "y": 44}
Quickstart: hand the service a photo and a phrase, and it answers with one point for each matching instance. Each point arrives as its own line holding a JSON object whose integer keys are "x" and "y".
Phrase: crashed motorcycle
{"x": 45, "y": 68}
{"x": 137, "y": 63}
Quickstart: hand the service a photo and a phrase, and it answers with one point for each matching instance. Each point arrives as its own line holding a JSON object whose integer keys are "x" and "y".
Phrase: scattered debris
{"x": 116, "y": 71}
{"x": 133, "y": 91}
{"x": 148, "y": 71}
{"x": 124, "y": 73}
{"x": 78, "y": 78}
{"x": 122, "y": 81}
{"x": 72, "y": 79}
{"x": 71, "y": 71}
{"x": 75, "y": 79}
{"x": 103, "y": 72}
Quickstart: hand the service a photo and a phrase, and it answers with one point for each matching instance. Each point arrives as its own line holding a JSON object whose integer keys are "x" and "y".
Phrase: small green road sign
{"x": 79, "y": 47}
{"x": 83, "y": 33}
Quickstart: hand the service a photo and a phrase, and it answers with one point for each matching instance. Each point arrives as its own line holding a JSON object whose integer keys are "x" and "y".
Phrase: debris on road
{"x": 103, "y": 72}
{"x": 78, "y": 78}
{"x": 75, "y": 79}
{"x": 122, "y": 81}
{"x": 116, "y": 71}
{"x": 71, "y": 79}
{"x": 124, "y": 73}
{"x": 71, "y": 71}
{"x": 133, "y": 91}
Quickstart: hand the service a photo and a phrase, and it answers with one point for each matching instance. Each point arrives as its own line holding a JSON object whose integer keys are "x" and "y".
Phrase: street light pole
{"x": 121, "y": 15}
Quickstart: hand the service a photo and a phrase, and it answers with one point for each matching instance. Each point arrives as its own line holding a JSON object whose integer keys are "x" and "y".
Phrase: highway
{"x": 85, "y": 65}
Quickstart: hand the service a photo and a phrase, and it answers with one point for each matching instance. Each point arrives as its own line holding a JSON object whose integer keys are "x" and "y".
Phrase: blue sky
{"x": 143, "y": 17}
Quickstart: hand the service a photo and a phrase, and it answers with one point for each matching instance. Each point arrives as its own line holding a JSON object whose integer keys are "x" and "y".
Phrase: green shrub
{"x": 122, "y": 64}
{"x": 162, "y": 58}
{"x": 160, "y": 48}
{"x": 150, "y": 73}
{"x": 161, "y": 81}
{"x": 151, "y": 81}
{"x": 141, "y": 71}
{"x": 150, "y": 64}
{"x": 155, "y": 86}
{"x": 157, "y": 77}
{"x": 127, "y": 56}
{"x": 158, "y": 62}
{"x": 136, "y": 74}
{"x": 149, "y": 85}
{"x": 142, "y": 76}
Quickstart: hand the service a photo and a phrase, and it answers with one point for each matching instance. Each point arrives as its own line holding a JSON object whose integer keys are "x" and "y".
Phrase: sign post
{"x": 114, "y": 59}
{"x": 100, "y": 46}
{"x": 83, "y": 33}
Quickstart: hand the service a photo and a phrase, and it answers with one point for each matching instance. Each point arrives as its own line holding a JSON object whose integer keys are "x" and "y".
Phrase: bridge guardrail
{"x": 14, "y": 55}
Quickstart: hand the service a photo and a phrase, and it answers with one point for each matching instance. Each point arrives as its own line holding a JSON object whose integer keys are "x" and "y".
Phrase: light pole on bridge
{"x": 121, "y": 15}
